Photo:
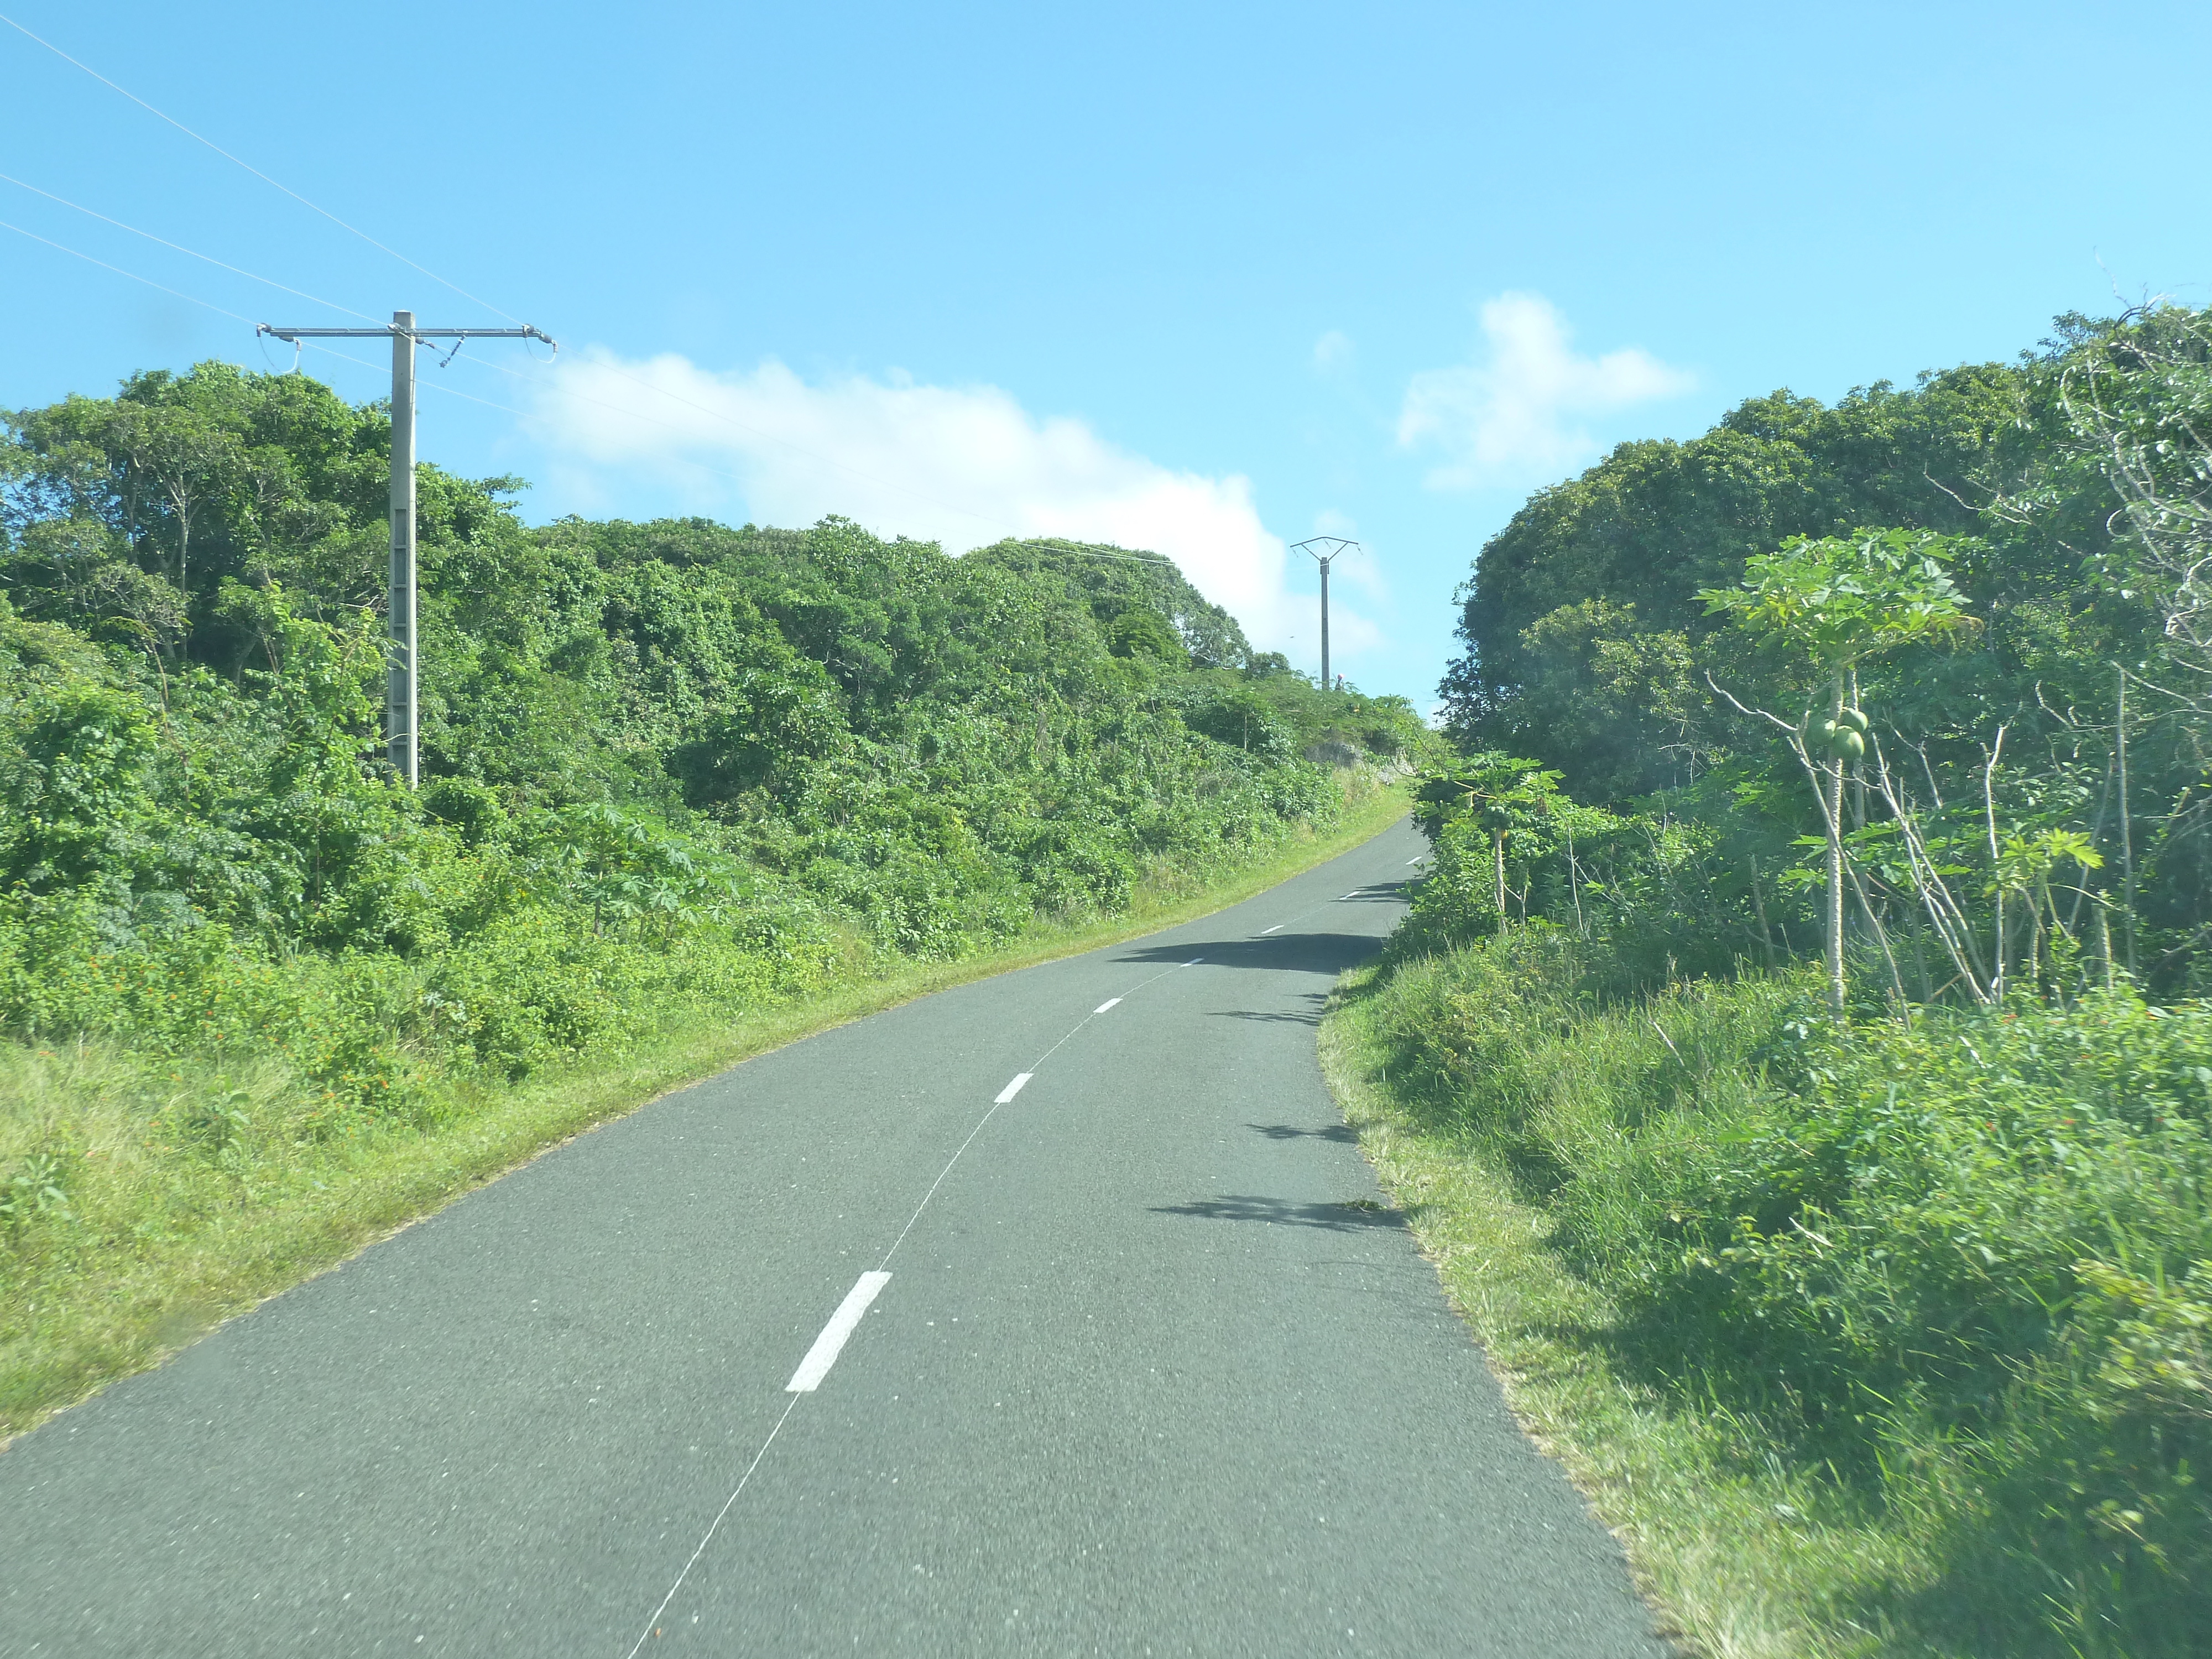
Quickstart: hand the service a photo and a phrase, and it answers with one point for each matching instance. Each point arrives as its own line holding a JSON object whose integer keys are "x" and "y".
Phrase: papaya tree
{"x": 1828, "y": 604}
{"x": 1510, "y": 807}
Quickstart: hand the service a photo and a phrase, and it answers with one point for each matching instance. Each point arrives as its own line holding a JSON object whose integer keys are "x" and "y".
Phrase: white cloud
{"x": 963, "y": 466}
{"x": 1519, "y": 416}
{"x": 1332, "y": 350}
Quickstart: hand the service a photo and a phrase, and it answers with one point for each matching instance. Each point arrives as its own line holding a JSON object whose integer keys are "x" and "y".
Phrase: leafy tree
{"x": 1499, "y": 793}
{"x": 1642, "y": 532}
{"x": 2137, "y": 398}
{"x": 1830, "y": 604}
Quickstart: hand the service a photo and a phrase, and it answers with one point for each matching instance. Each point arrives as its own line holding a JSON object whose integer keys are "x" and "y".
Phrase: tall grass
{"x": 1941, "y": 1292}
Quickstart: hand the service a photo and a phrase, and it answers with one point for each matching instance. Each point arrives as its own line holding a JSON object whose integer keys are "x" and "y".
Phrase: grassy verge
{"x": 1883, "y": 1340}
{"x": 187, "y": 1196}
{"x": 1708, "y": 1532}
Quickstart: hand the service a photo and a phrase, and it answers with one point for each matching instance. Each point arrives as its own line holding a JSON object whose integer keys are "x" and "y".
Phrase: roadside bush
{"x": 1960, "y": 1269}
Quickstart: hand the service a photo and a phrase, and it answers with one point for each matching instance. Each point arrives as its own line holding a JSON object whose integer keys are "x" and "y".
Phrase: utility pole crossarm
{"x": 525, "y": 332}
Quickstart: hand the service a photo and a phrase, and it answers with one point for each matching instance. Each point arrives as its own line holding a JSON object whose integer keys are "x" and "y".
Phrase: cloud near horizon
{"x": 961, "y": 465}
{"x": 1519, "y": 417}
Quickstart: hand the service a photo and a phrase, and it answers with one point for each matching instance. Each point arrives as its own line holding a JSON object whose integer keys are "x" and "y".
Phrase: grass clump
{"x": 1885, "y": 1338}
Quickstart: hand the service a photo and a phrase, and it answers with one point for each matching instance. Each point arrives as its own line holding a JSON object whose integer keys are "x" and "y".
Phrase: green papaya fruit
{"x": 1854, "y": 717}
{"x": 1849, "y": 746}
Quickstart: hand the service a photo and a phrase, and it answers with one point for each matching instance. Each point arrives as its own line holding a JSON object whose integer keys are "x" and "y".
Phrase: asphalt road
{"x": 1152, "y": 1372}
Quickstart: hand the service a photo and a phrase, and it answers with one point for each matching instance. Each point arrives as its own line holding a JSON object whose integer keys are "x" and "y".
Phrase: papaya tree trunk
{"x": 1831, "y": 810}
{"x": 1998, "y": 981}
{"x": 1497, "y": 856}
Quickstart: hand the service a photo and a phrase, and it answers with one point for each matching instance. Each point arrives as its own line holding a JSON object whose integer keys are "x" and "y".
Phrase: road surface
{"x": 1055, "y": 1314}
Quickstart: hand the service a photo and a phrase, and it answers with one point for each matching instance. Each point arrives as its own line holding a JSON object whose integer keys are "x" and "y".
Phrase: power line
{"x": 450, "y": 391}
{"x": 465, "y": 397}
{"x": 208, "y": 305}
{"x": 558, "y": 392}
{"x": 713, "y": 414}
{"x": 1014, "y": 531}
{"x": 255, "y": 170}
{"x": 179, "y": 248}
{"x": 189, "y": 298}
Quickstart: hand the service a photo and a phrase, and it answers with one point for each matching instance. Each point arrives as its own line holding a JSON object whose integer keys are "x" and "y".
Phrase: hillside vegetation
{"x": 1815, "y": 964}
{"x": 674, "y": 774}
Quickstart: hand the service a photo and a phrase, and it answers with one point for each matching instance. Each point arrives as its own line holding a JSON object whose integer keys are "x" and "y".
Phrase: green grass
{"x": 1704, "y": 1526}
{"x": 194, "y": 1186}
{"x": 1854, "y": 1355}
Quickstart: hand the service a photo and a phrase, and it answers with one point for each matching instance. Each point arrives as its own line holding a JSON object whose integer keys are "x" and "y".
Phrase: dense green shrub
{"x": 1955, "y": 1269}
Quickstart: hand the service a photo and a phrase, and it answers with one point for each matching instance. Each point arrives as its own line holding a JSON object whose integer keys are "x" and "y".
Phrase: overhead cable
{"x": 209, "y": 305}
{"x": 558, "y": 392}
{"x": 192, "y": 298}
{"x": 251, "y": 169}
{"x": 380, "y": 368}
{"x": 178, "y": 247}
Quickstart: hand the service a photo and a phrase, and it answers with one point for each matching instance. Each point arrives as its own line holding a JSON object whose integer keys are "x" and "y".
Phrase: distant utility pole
{"x": 401, "y": 677}
{"x": 1324, "y": 550}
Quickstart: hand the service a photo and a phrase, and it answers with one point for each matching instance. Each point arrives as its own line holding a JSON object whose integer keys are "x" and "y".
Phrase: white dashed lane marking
{"x": 823, "y": 1354}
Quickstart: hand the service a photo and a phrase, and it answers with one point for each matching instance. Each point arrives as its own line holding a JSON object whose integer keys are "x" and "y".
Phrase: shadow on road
{"x": 1342, "y": 1132}
{"x": 1297, "y": 1016}
{"x": 1304, "y": 953}
{"x": 1349, "y": 1217}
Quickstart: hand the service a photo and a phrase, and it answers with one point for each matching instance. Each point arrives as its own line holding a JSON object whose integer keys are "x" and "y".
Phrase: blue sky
{"x": 1207, "y": 279}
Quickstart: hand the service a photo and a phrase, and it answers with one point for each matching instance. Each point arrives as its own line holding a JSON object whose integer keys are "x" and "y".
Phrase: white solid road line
{"x": 1417, "y": 861}
{"x": 823, "y": 1354}
{"x": 1277, "y": 928}
{"x": 1104, "y": 1005}
{"x": 1193, "y": 962}
{"x": 1354, "y": 893}
{"x": 1013, "y": 1088}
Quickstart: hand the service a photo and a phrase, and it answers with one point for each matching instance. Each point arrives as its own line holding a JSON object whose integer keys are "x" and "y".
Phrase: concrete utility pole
{"x": 402, "y": 678}
{"x": 1324, "y": 550}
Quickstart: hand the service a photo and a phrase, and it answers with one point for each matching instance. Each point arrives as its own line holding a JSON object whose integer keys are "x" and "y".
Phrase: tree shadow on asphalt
{"x": 1304, "y": 953}
{"x": 1353, "y": 1215}
{"x": 1339, "y": 1131}
{"x": 1312, "y": 1016}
